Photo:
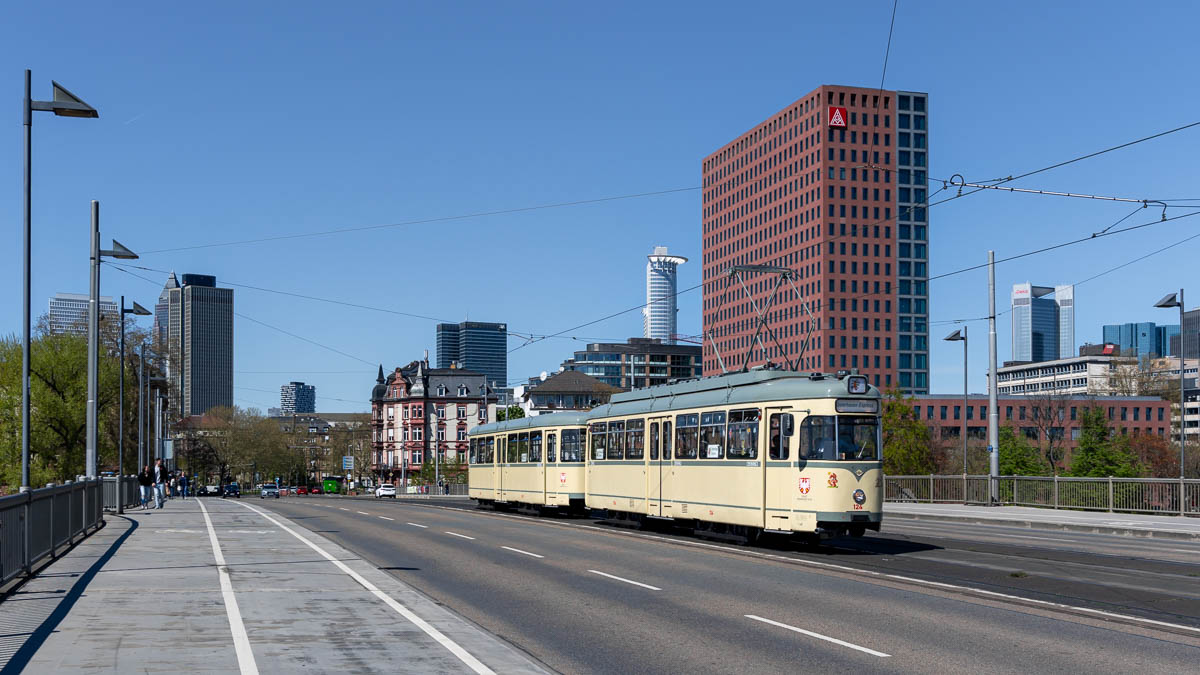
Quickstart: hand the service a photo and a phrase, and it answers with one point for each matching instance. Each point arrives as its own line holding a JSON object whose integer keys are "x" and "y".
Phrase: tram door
{"x": 501, "y": 457}
{"x": 551, "y": 478}
{"x": 654, "y": 475}
{"x": 666, "y": 470}
{"x": 781, "y": 474}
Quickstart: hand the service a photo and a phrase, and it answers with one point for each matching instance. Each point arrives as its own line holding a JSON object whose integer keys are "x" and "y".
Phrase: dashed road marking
{"x": 826, "y": 638}
{"x": 386, "y": 518}
{"x": 419, "y": 525}
{"x": 455, "y": 534}
{"x": 628, "y": 581}
{"x": 517, "y": 550}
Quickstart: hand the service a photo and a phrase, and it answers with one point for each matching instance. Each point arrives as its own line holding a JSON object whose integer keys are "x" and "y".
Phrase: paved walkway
{"x": 1098, "y": 522}
{"x": 219, "y": 585}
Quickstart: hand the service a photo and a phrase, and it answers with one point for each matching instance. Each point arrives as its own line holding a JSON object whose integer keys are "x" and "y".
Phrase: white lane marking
{"x": 517, "y": 550}
{"x": 344, "y": 509}
{"x": 628, "y": 581}
{"x": 241, "y": 642}
{"x": 364, "y": 513}
{"x": 826, "y": 638}
{"x": 419, "y": 525}
{"x": 455, "y": 534}
{"x": 386, "y": 518}
{"x": 840, "y": 568}
{"x": 454, "y": 648}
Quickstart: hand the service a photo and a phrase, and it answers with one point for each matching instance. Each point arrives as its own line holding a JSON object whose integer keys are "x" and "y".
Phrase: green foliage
{"x": 1099, "y": 453}
{"x": 907, "y": 449}
{"x": 1019, "y": 457}
{"x": 512, "y": 412}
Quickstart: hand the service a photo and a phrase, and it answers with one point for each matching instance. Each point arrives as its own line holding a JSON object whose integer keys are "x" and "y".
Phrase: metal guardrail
{"x": 40, "y": 523}
{"x": 130, "y": 489}
{"x": 1162, "y": 496}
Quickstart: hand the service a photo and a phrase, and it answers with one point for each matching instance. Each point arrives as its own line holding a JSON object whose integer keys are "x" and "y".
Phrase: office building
{"x": 832, "y": 187}
{"x": 69, "y": 313}
{"x": 162, "y": 312}
{"x": 1141, "y": 339}
{"x": 638, "y": 363}
{"x": 659, "y": 314}
{"x": 1188, "y": 338}
{"x": 199, "y": 344}
{"x": 297, "y": 397}
{"x": 1043, "y": 322}
{"x": 477, "y": 346}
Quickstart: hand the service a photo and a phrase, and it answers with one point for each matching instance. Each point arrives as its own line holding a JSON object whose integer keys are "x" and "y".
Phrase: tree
{"x": 1157, "y": 457}
{"x": 906, "y": 444}
{"x": 1099, "y": 453}
{"x": 1018, "y": 457}
{"x": 1049, "y": 413}
{"x": 512, "y": 412}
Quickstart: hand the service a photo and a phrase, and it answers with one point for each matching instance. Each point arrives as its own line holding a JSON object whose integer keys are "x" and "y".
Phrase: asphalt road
{"x": 583, "y": 596}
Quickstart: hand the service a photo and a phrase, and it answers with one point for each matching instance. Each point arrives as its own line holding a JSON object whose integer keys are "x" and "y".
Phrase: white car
{"x": 385, "y": 490}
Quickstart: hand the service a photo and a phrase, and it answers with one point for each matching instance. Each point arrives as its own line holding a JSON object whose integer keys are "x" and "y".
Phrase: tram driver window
{"x": 473, "y": 449}
{"x": 858, "y": 437}
{"x": 818, "y": 438}
{"x": 598, "y": 437}
{"x": 743, "y": 434}
{"x": 712, "y": 435}
{"x": 687, "y": 433}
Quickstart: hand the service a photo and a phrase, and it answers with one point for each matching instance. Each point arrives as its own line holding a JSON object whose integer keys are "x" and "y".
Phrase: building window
{"x": 462, "y": 412}
{"x": 441, "y": 412}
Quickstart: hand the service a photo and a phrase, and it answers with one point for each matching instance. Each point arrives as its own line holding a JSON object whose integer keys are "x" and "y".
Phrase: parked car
{"x": 301, "y": 490}
{"x": 269, "y": 491}
{"x": 211, "y": 490}
{"x": 232, "y": 490}
{"x": 314, "y": 490}
{"x": 385, "y": 490}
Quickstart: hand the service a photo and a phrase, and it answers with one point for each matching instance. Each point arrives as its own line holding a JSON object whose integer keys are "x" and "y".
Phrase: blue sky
{"x": 222, "y": 122}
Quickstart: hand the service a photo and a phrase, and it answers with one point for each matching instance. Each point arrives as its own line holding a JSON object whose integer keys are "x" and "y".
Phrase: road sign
{"x": 348, "y": 463}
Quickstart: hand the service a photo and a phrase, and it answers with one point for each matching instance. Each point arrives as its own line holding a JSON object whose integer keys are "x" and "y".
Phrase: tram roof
{"x": 561, "y": 419}
{"x": 754, "y": 386}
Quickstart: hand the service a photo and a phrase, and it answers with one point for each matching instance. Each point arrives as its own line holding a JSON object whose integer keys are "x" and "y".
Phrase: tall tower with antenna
{"x": 659, "y": 314}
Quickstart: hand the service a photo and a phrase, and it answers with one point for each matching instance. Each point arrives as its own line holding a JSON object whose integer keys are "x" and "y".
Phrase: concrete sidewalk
{"x": 1095, "y": 522}
{"x": 147, "y": 594}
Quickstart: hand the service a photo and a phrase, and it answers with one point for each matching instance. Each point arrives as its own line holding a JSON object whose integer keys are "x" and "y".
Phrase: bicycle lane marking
{"x": 453, "y": 647}
{"x": 241, "y": 642}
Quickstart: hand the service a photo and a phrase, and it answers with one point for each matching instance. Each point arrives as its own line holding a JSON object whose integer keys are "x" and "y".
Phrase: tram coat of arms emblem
{"x": 805, "y": 485}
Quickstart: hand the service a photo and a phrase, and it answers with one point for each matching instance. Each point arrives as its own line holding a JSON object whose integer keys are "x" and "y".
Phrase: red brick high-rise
{"x": 815, "y": 188}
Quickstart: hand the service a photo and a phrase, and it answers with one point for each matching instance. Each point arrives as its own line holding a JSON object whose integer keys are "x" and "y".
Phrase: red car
{"x": 314, "y": 490}
{"x": 301, "y": 490}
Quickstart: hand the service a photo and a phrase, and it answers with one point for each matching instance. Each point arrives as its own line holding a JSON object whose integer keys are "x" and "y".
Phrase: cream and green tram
{"x": 537, "y": 461}
{"x": 742, "y": 453}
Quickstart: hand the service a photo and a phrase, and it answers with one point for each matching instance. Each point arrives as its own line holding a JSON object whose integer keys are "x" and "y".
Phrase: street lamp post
{"x": 136, "y": 310}
{"x": 961, "y": 336}
{"x": 117, "y": 251}
{"x": 63, "y": 104}
{"x": 141, "y": 448}
{"x": 1176, "y": 300}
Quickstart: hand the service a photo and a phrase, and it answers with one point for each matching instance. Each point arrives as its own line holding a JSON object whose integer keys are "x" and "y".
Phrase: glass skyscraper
{"x": 476, "y": 346}
{"x": 69, "y": 312}
{"x": 199, "y": 343}
{"x": 1043, "y": 323}
{"x": 659, "y": 314}
{"x": 1144, "y": 339}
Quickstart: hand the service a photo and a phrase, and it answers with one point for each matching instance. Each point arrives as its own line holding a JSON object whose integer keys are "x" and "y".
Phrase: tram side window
{"x": 818, "y": 438}
{"x": 743, "y": 434}
{"x": 513, "y": 449}
{"x": 551, "y": 440}
{"x": 654, "y": 441}
{"x": 666, "y": 438}
{"x": 489, "y": 455}
{"x": 523, "y": 447}
{"x": 687, "y": 436}
{"x": 635, "y": 439}
{"x": 598, "y": 437}
{"x": 535, "y": 447}
{"x": 572, "y": 445}
{"x": 712, "y": 435}
{"x": 778, "y": 441}
{"x": 616, "y": 440}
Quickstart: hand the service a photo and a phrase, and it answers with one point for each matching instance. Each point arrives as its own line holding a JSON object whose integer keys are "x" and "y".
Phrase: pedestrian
{"x": 183, "y": 485}
{"x": 160, "y": 483}
{"x": 146, "y": 482}
{"x": 172, "y": 487}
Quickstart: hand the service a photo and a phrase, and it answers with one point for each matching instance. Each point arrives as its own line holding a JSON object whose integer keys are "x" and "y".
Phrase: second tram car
{"x": 536, "y": 461}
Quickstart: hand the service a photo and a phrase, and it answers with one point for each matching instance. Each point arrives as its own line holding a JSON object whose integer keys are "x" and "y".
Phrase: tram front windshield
{"x": 840, "y": 437}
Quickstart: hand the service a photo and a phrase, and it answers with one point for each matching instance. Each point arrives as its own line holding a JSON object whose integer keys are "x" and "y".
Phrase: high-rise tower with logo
{"x": 834, "y": 188}
{"x": 1043, "y": 322}
{"x": 659, "y": 314}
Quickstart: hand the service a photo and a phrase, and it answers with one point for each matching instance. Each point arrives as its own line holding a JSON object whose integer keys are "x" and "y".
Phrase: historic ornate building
{"x": 422, "y": 415}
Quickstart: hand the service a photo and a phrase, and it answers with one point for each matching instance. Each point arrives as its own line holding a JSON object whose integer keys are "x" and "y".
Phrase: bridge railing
{"x": 1164, "y": 496}
{"x": 41, "y": 523}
